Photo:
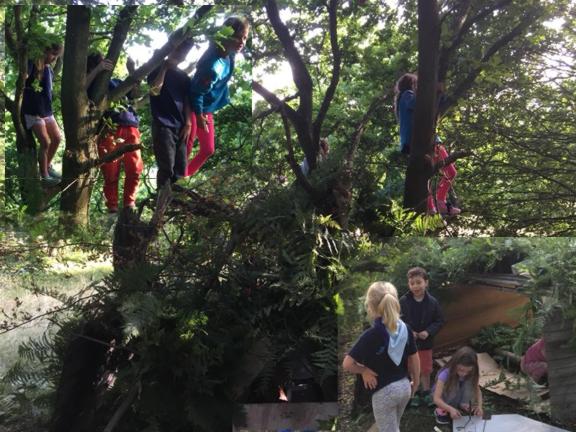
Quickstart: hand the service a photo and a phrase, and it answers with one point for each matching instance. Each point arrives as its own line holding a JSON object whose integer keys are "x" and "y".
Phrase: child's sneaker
{"x": 448, "y": 210}
{"x": 50, "y": 181}
{"x": 442, "y": 417}
{"x": 427, "y": 400}
{"x": 53, "y": 173}
{"x": 415, "y": 401}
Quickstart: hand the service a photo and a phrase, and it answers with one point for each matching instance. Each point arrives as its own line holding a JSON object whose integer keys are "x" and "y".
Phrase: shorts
{"x": 425, "y": 361}
{"x": 32, "y": 120}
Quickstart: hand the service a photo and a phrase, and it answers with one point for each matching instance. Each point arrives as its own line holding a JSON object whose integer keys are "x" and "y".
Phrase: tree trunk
{"x": 78, "y": 121}
{"x": 421, "y": 166}
{"x": 561, "y": 356}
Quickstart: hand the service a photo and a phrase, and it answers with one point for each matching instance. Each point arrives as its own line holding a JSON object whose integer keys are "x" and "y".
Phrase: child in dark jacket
{"x": 169, "y": 106}
{"x": 421, "y": 311}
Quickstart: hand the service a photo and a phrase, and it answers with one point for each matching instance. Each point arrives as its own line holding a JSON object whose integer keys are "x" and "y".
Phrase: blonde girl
{"x": 385, "y": 356}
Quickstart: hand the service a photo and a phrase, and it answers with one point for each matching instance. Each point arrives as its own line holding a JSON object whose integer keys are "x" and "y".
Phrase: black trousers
{"x": 170, "y": 153}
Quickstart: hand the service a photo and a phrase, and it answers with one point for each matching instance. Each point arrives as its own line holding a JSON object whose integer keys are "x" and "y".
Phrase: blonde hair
{"x": 382, "y": 301}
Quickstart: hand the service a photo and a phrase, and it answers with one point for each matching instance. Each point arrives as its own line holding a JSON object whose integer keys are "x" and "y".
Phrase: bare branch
{"x": 336, "y": 64}
{"x": 275, "y": 108}
{"x": 292, "y": 160}
{"x": 300, "y": 73}
{"x": 275, "y": 101}
{"x": 468, "y": 82}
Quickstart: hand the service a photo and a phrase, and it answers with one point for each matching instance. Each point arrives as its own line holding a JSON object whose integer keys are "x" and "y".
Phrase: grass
{"x": 24, "y": 271}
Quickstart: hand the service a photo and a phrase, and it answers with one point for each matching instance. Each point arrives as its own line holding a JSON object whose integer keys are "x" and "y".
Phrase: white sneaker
{"x": 51, "y": 181}
{"x": 53, "y": 173}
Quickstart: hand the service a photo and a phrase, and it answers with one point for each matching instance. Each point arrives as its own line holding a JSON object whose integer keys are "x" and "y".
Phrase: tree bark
{"x": 420, "y": 166}
{"x": 558, "y": 333}
{"x": 78, "y": 124}
{"x": 31, "y": 192}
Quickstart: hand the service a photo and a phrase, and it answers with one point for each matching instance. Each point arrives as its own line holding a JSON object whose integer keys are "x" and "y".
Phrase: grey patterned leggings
{"x": 388, "y": 405}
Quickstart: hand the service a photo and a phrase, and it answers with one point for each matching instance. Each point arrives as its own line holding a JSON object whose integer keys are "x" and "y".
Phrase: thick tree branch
{"x": 175, "y": 39}
{"x": 110, "y": 157}
{"x": 300, "y": 73}
{"x": 119, "y": 35}
{"x": 274, "y": 108}
{"x": 275, "y": 101}
{"x": 452, "y": 157}
{"x": 302, "y": 180}
{"x": 336, "y": 65}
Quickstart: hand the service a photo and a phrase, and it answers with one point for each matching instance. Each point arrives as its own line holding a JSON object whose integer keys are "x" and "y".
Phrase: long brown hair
{"x": 40, "y": 62}
{"x": 465, "y": 356}
{"x": 408, "y": 81}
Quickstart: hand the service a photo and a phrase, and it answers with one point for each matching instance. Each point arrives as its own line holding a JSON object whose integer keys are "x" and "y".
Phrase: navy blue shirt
{"x": 38, "y": 103}
{"x": 125, "y": 116}
{"x": 405, "y": 106}
{"x": 371, "y": 350}
{"x": 168, "y": 107}
{"x": 209, "y": 86}
{"x": 424, "y": 315}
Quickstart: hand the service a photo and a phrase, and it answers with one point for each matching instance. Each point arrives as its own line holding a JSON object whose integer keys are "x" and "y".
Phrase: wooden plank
{"x": 474, "y": 307}
{"x": 276, "y": 416}
{"x": 505, "y": 383}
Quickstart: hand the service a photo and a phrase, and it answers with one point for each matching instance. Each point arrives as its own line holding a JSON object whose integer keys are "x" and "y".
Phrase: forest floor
{"x": 29, "y": 266}
{"x": 419, "y": 419}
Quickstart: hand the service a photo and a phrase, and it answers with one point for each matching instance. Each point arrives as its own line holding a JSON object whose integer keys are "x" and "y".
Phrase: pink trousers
{"x": 206, "y": 141}
{"x": 447, "y": 175}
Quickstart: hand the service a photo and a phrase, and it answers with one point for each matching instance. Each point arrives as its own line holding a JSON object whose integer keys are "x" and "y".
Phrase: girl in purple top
{"x": 37, "y": 110}
{"x": 457, "y": 388}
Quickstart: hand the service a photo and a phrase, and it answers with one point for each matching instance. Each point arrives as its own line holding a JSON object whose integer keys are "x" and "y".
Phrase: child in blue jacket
{"x": 209, "y": 87}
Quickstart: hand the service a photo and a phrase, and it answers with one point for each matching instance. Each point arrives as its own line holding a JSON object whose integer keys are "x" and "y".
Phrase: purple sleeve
{"x": 443, "y": 375}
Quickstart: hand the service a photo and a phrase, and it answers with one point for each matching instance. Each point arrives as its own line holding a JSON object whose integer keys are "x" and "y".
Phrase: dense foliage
{"x": 241, "y": 285}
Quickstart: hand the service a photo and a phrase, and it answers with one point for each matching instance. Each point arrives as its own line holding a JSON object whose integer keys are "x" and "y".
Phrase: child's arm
{"x": 478, "y": 410}
{"x": 368, "y": 375}
{"x": 454, "y": 413}
{"x": 105, "y": 64}
{"x": 157, "y": 83}
{"x": 437, "y": 321}
{"x": 414, "y": 371}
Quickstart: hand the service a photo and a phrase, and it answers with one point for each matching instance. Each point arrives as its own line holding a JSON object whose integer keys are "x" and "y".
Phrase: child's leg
{"x": 165, "y": 142}
{"x": 190, "y": 142}
{"x": 55, "y": 137}
{"x": 110, "y": 172}
{"x": 425, "y": 368}
{"x": 389, "y": 403}
{"x": 133, "y": 165}
{"x": 448, "y": 174}
{"x": 39, "y": 129}
{"x": 206, "y": 139}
